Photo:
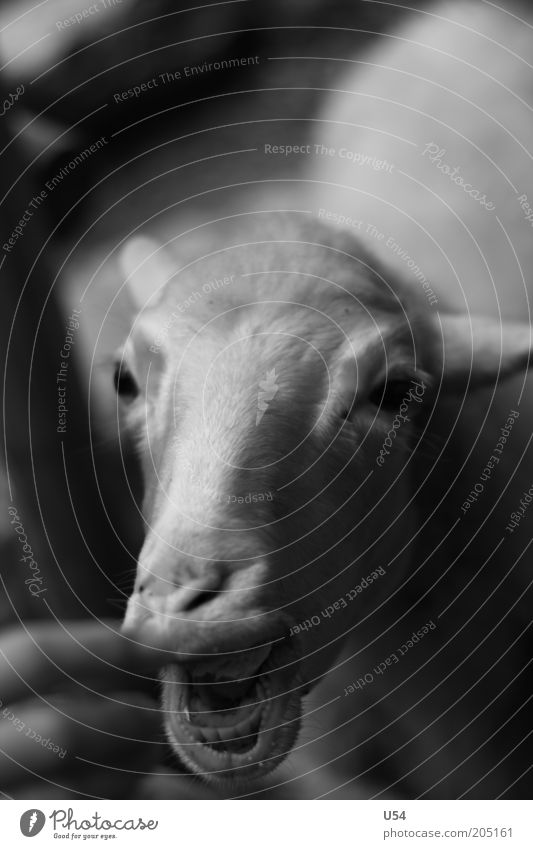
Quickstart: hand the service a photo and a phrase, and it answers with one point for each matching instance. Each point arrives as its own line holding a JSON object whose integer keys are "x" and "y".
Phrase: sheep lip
{"x": 242, "y": 742}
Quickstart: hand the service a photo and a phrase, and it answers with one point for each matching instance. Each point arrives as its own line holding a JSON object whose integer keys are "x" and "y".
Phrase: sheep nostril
{"x": 179, "y": 589}
{"x": 186, "y": 599}
{"x": 194, "y": 600}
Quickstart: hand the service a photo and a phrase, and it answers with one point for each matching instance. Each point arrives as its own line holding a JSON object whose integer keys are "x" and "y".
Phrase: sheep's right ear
{"x": 480, "y": 350}
{"x": 146, "y": 266}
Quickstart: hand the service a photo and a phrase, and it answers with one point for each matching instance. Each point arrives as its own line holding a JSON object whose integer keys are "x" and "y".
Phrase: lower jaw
{"x": 278, "y": 723}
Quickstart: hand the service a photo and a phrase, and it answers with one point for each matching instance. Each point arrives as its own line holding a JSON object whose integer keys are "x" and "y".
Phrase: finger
{"x": 103, "y": 734}
{"x": 161, "y": 784}
{"x": 89, "y": 785}
{"x": 165, "y": 784}
{"x": 41, "y": 654}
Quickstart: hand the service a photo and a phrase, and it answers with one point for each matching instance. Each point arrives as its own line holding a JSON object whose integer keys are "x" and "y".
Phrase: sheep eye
{"x": 389, "y": 395}
{"x": 124, "y": 382}
{"x": 346, "y": 412}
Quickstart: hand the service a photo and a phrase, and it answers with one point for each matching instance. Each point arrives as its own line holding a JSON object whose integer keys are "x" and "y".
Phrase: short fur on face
{"x": 275, "y": 366}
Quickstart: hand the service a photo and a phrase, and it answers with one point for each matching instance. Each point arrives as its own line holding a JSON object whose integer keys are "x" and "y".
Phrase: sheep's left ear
{"x": 481, "y": 350}
{"x": 147, "y": 266}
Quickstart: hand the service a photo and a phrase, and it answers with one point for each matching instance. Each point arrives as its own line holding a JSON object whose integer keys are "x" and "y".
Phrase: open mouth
{"x": 232, "y": 719}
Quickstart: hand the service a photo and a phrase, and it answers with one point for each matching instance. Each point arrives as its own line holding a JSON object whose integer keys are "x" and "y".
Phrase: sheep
{"x": 252, "y": 598}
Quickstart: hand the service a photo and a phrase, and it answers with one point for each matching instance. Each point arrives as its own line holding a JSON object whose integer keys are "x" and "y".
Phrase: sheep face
{"x": 275, "y": 388}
